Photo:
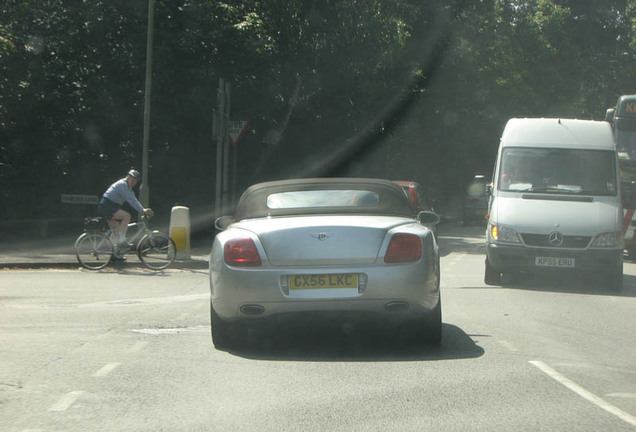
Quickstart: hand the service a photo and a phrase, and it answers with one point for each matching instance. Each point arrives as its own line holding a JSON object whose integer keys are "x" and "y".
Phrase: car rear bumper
{"x": 389, "y": 310}
{"x": 394, "y": 291}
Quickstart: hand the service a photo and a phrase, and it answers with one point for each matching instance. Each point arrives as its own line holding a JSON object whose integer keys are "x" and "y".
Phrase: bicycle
{"x": 95, "y": 250}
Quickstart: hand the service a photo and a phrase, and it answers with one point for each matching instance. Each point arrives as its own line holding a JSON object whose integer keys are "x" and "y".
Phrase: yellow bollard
{"x": 180, "y": 230}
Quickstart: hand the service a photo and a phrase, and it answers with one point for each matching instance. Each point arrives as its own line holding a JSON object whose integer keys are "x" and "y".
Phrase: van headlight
{"x": 608, "y": 240}
{"x": 501, "y": 234}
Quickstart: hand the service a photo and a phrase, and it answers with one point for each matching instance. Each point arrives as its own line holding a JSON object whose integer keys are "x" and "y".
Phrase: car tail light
{"x": 403, "y": 248}
{"x": 413, "y": 195}
{"x": 242, "y": 252}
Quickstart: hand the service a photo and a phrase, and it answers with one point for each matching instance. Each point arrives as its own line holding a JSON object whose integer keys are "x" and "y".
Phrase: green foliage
{"x": 381, "y": 88}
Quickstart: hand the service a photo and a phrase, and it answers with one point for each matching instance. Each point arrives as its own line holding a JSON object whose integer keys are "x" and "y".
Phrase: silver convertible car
{"x": 325, "y": 249}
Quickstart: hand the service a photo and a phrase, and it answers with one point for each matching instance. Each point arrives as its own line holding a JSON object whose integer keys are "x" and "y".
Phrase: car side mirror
{"x": 223, "y": 222}
{"x": 489, "y": 189}
{"x": 428, "y": 218}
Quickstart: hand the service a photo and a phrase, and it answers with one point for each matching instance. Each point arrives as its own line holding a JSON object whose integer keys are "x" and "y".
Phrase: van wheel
{"x": 615, "y": 279}
{"x": 491, "y": 276}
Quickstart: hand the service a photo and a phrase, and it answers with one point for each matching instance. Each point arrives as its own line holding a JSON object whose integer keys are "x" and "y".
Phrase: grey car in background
{"x": 325, "y": 249}
{"x": 476, "y": 201}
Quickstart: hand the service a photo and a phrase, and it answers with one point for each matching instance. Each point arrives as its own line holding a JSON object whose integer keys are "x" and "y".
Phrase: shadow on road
{"x": 455, "y": 237}
{"x": 573, "y": 283}
{"x": 463, "y": 245}
{"x": 338, "y": 345}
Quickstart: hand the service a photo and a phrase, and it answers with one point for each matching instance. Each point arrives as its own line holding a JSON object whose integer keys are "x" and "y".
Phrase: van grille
{"x": 569, "y": 242}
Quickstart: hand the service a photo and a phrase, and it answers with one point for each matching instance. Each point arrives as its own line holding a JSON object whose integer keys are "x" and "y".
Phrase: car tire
{"x": 428, "y": 329}
{"x": 225, "y": 335}
{"x": 491, "y": 275}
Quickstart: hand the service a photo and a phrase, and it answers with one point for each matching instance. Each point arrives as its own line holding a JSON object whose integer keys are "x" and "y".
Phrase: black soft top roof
{"x": 392, "y": 199}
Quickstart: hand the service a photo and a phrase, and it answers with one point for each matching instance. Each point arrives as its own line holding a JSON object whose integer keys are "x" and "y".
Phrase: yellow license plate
{"x": 321, "y": 281}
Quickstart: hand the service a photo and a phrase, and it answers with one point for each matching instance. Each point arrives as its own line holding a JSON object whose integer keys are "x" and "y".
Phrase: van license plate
{"x": 553, "y": 262}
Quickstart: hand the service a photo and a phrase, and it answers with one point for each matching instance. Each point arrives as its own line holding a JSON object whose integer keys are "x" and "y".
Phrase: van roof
{"x": 558, "y": 132}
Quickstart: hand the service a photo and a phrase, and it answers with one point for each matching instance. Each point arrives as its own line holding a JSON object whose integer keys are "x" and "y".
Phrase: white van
{"x": 555, "y": 200}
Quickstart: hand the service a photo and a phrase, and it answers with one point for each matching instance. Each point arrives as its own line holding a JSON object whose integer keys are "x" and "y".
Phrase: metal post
{"x": 226, "y": 149}
{"x": 144, "y": 189}
{"x": 233, "y": 190}
{"x": 218, "y": 119}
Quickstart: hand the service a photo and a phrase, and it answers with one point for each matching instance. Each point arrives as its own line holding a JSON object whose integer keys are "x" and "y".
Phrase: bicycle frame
{"x": 155, "y": 249}
{"x": 141, "y": 227}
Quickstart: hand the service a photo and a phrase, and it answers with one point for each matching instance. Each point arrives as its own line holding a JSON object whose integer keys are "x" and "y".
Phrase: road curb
{"x": 190, "y": 265}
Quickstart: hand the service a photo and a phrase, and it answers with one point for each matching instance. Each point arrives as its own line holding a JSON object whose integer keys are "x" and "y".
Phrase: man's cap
{"x": 134, "y": 174}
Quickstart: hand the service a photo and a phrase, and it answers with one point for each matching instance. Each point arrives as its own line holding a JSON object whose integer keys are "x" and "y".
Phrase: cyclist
{"x": 110, "y": 206}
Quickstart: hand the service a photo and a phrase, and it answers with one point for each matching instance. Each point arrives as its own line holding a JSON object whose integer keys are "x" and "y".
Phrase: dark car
{"x": 476, "y": 201}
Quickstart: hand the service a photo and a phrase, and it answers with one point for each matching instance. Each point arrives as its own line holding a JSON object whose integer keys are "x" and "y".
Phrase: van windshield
{"x": 558, "y": 171}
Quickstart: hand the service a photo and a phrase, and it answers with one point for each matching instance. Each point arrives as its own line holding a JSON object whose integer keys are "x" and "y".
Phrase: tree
{"x": 379, "y": 88}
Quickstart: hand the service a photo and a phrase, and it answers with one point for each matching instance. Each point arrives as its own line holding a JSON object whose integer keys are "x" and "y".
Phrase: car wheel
{"x": 491, "y": 275}
{"x": 224, "y": 334}
{"x": 428, "y": 329}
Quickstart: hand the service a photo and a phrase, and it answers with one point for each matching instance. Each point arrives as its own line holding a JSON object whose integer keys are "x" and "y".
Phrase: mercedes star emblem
{"x": 555, "y": 238}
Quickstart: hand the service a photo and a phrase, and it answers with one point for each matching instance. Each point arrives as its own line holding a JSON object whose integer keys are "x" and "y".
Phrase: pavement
{"x": 59, "y": 252}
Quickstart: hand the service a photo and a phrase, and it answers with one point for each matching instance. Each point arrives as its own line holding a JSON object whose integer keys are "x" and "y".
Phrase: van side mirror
{"x": 489, "y": 189}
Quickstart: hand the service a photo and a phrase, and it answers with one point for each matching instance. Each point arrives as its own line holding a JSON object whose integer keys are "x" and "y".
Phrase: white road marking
{"x": 623, "y": 395}
{"x": 454, "y": 260}
{"x": 157, "y": 331}
{"x": 123, "y": 302}
{"x": 508, "y": 345}
{"x": 137, "y": 347}
{"x": 576, "y": 365}
{"x": 146, "y": 301}
{"x": 201, "y": 306}
{"x": 66, "y": 401}
{"x": 155, "y": 300}
{"x": 593, "y": 366}
{"x": 106, "y": 370}
{"x": 585, "y": 394}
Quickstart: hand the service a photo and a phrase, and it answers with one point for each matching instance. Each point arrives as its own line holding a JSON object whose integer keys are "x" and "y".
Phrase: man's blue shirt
{"x": 119, "y": 192}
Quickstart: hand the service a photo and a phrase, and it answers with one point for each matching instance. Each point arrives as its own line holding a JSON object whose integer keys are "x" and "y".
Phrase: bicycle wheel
{"x": 156, "y": 250}
{"x": 94, "y": 250}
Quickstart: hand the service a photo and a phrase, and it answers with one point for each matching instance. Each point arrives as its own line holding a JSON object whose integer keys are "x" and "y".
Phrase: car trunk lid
{"x": 323, "y": 240}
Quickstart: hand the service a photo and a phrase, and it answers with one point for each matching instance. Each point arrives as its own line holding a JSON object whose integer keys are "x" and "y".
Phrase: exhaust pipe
{"x": 396, "y": 306}
{"x": 252, "y": 309}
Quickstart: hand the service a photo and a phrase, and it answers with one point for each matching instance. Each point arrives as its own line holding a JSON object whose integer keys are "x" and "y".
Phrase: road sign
{"x": 79, "y": 199}
{"x": 237, "y": 129}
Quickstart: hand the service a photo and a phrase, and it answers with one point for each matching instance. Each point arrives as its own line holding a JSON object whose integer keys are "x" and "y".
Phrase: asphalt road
{"x": 130, "y": 350}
